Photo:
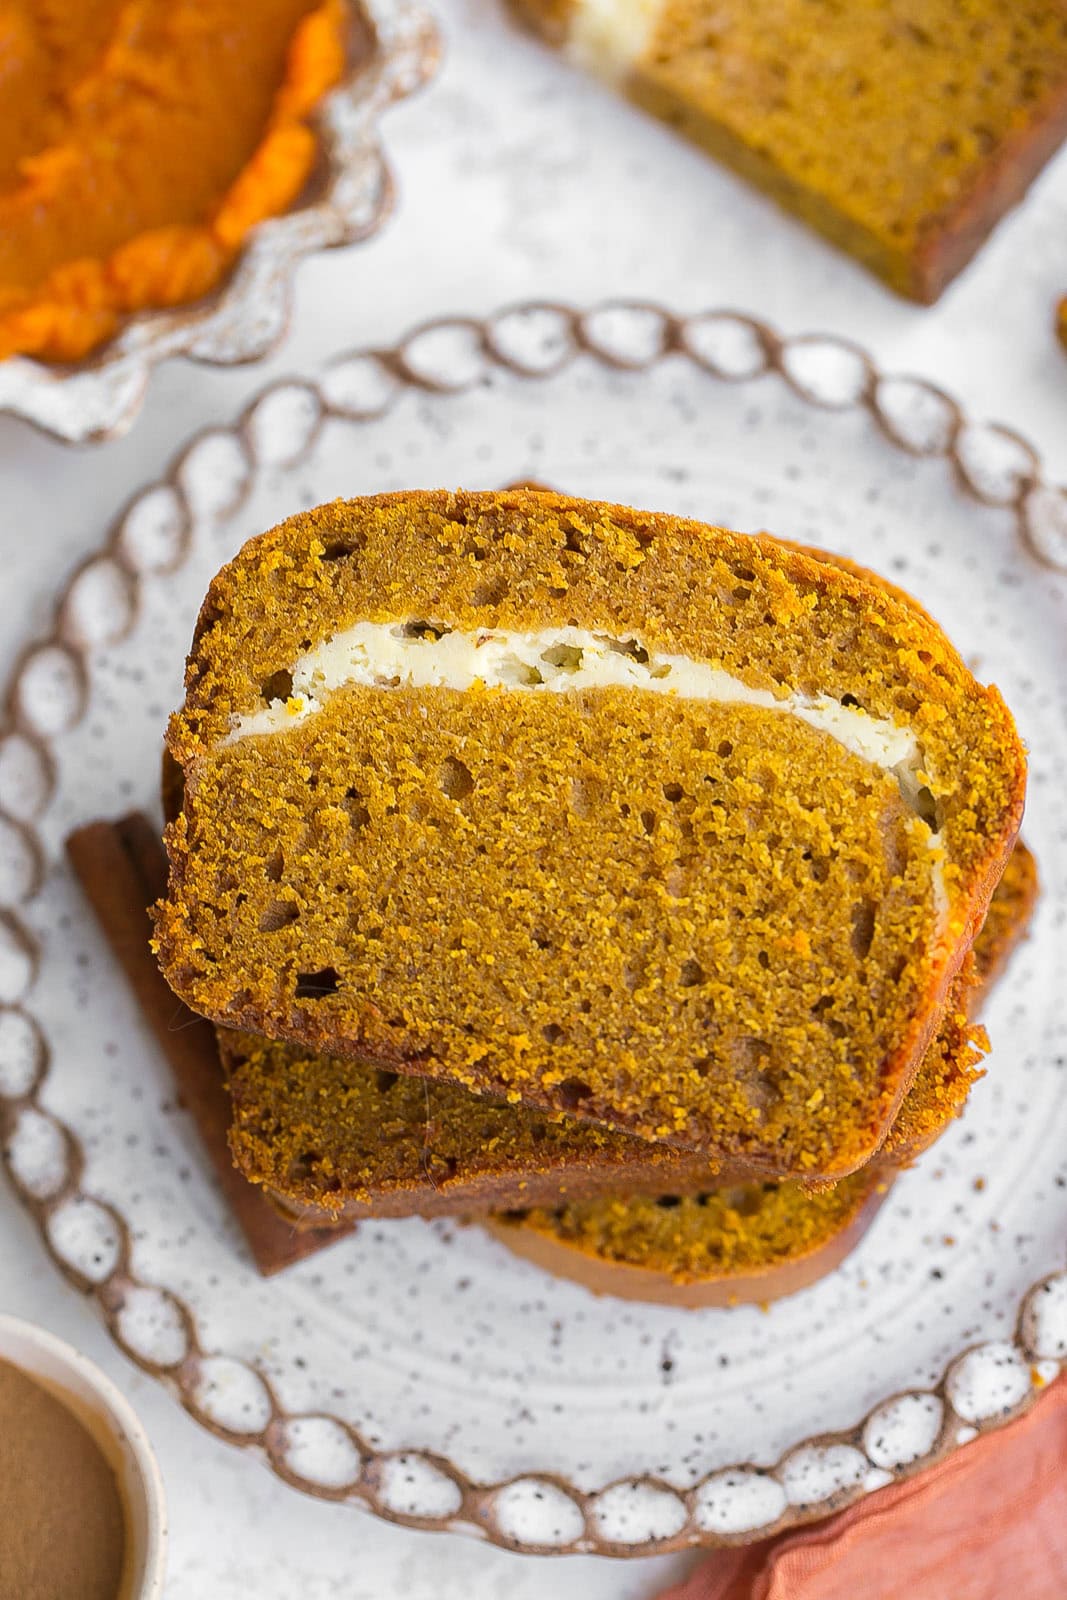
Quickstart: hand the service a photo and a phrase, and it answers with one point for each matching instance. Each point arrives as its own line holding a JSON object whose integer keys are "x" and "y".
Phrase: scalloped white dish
{"x": 420, "y": 1369}
{"x": 96, "y": 399}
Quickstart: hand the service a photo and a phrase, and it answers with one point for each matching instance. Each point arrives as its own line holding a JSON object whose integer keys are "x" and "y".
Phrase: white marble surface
{"x": 517, "y": 180}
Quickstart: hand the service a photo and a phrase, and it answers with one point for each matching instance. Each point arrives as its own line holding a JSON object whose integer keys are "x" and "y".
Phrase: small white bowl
{"x": 112, "y": 1421}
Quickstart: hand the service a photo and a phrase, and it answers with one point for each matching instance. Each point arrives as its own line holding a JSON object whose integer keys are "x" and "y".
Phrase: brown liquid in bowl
{"x": 62, "y": 1524}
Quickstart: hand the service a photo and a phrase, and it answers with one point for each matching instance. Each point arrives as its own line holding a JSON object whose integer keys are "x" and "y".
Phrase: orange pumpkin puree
{"x": 140, "y": 141}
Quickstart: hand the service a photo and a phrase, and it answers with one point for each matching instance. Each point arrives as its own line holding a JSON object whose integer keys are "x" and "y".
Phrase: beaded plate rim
{"x": 984, "y": 1386}
{"x": 247, "y": 317}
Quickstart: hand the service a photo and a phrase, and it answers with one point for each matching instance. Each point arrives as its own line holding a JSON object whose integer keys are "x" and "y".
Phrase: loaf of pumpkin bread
{"x": 902, "y": 130}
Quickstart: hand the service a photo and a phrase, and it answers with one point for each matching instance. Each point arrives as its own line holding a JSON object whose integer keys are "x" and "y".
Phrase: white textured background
{"x": 517, "y": 179}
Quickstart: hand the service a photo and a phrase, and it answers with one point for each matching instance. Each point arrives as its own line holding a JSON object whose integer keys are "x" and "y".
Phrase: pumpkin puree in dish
{"x": 140, "y": 141}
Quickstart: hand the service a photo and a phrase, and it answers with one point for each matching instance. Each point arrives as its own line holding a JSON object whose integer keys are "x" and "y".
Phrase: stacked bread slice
{"x": 907, "y": 167}
{"x": 547, "y": 853}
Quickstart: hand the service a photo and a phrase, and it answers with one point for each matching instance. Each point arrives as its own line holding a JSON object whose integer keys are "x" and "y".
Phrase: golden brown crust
{"x": 1008, "y": 920}
{"x": 951, "y": 1066}
{"x": 524, "y": 560}
{"x": 951, "y": 238}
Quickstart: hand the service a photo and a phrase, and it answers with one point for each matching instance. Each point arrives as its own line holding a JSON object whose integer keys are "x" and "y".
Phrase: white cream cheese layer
{"x": 389, "y": 655}
{"x": 607, "y": 37}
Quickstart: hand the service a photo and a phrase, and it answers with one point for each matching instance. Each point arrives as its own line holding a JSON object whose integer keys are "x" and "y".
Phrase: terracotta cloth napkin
{"x": 989, "y": 1523}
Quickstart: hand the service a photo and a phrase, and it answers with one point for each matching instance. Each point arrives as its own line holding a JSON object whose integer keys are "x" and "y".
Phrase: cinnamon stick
{"x": 122, "y": 868}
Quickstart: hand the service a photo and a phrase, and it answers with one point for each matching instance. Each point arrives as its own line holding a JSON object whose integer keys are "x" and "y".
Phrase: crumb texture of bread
{"x": 326, "y": 1135}
{"x": 332, "y": 1139}
{"x": 729, "y": 1232}
{"x": 900, "y": 129}
{"x": 763, "y": 1231}
{"x": 701, "y": 922}
{"x": 331, "y": 1135}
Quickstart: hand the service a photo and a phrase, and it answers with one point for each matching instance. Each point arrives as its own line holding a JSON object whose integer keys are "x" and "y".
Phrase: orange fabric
{"x": 990, "y": 1523}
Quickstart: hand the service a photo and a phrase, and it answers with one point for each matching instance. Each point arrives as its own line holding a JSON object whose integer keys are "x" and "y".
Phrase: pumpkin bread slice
{"x": 602, "y": 811}
{"x": 752, "y": 1242}
{"x": 901, "y": 131}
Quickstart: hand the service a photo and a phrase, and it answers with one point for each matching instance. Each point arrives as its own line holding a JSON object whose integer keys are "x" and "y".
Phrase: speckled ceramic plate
{"x": 420, "y": 1369}
{"x": 396, "y": 51}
